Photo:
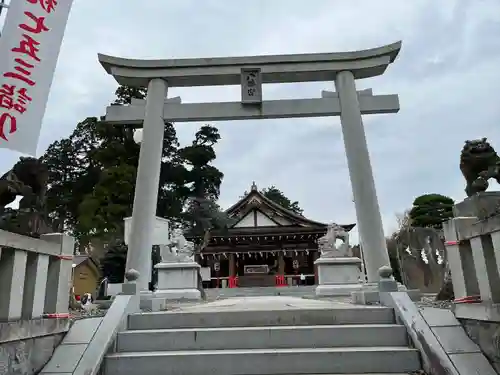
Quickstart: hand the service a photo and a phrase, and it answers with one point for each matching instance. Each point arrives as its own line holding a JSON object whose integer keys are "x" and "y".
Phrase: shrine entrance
{"x": 251, "y": 73}
{"x": 259, "y": 269}
{"x": 257, "y": 263}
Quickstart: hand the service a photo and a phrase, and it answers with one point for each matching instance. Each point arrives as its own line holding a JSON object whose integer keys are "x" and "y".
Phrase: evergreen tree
{"x": 73, "y": 173}
{"x": 431, "y": 210}
{"x": 92, "y": 175}
{"x": 277, "y": 196}
{"x": 114, "y": 262}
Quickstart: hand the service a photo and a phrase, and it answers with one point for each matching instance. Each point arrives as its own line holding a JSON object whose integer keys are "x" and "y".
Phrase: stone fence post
{"x": 59, "y": 274}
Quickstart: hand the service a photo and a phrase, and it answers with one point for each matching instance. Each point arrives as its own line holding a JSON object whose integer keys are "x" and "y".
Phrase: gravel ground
{"x": 77, "y": 314}
{"x": 428, "y": 301}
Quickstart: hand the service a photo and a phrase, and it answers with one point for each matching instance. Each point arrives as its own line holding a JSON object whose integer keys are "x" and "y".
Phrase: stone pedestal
{"x": 338, "y": 276}
{"x": 178, "y": 281}
{"x": 481, "y": 205}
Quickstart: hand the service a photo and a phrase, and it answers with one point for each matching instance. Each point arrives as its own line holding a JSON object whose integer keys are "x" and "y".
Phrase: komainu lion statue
{"x": 28, "y": 178}
{"x": 180, "y": 248}
{"x": 327, "y": 246}
{"x": 479, "y": 162}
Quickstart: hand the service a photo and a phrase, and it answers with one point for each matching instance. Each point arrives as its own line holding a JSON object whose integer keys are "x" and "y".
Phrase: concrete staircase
{"x": 265, "y": 335}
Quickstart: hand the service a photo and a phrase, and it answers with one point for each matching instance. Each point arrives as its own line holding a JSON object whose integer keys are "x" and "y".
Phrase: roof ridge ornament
{"x": 254, "y": 186}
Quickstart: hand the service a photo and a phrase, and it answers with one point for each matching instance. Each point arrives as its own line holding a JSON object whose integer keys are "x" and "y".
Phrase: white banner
{"x": 29, "y": 48}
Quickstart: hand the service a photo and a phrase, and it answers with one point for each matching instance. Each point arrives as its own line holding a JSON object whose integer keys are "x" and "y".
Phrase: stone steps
{"x": 279, "y": 337}
{"x": 265, "y": 361}
{"x": 347, "y": 314}
{"x": 264, "y": 335}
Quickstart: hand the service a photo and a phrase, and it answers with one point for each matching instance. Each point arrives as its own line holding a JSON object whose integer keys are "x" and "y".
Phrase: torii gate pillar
{"x": 147, "y": 182}
{"x": 370, "y": 226}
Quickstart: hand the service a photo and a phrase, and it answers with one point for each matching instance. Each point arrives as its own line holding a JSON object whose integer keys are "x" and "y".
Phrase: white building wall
{"x": 264, "y": 221}
{"x": 247, "y": 221}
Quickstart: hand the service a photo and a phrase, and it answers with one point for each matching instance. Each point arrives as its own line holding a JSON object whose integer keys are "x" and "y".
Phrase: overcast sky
{"x": 447, "y": 76}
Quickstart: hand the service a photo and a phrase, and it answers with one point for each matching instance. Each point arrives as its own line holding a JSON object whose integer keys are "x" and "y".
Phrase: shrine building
{"x": 267, "y": 245}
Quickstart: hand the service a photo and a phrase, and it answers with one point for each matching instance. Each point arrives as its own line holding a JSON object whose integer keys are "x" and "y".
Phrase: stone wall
{"x": 487, "y": 336}
{"x": 427, "y": 280}
{"x": 26, "y": 346}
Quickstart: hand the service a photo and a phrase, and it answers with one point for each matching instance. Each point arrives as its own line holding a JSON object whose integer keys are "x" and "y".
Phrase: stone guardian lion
{"x": 327, "y": 246}
{"x": 479, "y": 162}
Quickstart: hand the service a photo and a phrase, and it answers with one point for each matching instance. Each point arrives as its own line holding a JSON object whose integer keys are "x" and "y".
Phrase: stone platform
{"x": 292, "y": 291}
{"x": 267, "y": 303}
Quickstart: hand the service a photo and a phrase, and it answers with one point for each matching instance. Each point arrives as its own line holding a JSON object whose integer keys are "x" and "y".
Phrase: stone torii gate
{"x": 251, "y": 72}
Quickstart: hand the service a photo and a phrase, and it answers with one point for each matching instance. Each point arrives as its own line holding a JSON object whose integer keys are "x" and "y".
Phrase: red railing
{"x": 280, "y": 280}
{"x": 233, "y": 281}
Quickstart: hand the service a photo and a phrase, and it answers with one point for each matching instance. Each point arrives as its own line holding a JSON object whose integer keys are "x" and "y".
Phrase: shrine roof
{"x": 274, "y": 230}
{"x": 79, "y": 259}
{"x": 255, "y": 200}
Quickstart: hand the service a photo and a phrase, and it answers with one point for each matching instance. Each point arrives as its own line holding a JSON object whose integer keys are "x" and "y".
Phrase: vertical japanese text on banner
{"x": 14, "y": 95}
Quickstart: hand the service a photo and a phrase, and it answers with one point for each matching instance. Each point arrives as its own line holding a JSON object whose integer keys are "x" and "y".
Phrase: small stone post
{"x": 130, "y": 288}
{"x": 12, "y": 278}
{"x": 386, "y": 284}
{"x": 59, "y": 274}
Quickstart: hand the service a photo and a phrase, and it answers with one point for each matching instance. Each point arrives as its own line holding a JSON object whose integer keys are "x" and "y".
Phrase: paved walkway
{"x": 265, "y": 303}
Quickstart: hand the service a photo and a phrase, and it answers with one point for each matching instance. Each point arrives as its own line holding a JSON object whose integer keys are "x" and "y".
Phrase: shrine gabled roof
{"x": 79, "y": 259}
{"x": 255, "y": 200}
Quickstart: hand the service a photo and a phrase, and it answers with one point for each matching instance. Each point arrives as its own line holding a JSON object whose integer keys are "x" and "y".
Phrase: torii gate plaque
{"x": 346, "y": 102}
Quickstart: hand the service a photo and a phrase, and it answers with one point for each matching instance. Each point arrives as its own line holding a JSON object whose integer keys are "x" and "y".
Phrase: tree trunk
{"x": 206, "y": 240}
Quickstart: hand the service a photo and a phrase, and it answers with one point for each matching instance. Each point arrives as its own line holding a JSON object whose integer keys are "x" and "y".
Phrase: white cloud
{"x": 447, "y": 77}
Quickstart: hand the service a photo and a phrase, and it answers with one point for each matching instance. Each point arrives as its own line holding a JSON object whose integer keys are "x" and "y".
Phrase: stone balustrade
{"x": 473, "y": 251}
{"x": 35, "y": 275}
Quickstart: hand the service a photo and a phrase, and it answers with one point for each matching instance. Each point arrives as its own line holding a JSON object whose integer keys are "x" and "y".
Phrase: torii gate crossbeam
{"x": 270, "y": 109}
